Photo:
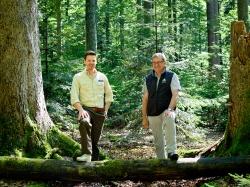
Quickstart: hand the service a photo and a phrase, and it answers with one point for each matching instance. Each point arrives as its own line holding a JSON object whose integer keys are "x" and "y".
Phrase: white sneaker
{"x": 84, "y": 158}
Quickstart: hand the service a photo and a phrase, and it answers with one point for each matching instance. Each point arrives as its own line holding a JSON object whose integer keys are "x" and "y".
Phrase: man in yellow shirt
{"x": 91, "y": 95}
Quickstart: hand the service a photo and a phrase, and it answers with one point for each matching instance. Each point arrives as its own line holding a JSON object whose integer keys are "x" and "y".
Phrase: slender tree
{"x": 148, "y": 9}
{"x": 212, "y": 31}
{"x": 58, "y": 27}
{"x": 67, "y": 6}
{"x": 90, "y": 18}
{"x": 145, "y": 20}
{"x": 170, "y": 16}
{"x": 139, "y": 20}
{"x": 107, "y": 23}
{"x": 121, "y": 25}
{"x": 175, "y": 11}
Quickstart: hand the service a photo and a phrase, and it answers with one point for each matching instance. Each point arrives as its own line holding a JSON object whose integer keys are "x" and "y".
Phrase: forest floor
{"x": 135, "y": 143}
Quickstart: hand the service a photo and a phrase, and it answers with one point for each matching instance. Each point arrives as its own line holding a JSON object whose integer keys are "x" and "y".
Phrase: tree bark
{"x": 107, "y": 24}
{"x": 236, "y": 138}
{"x": 140, "y": 22}
{"x": 148, "y": 16}
{"x": 25, "y": 126}
{"x": 90, "y": 18}
{"x": 121, "y": 26}
{"x": 212, "y": 31}
{"x": 144, "y": 170}
{"x": 237, "y": 132}
{"x": 175, "y": 12}
{"x": 58, "y": 27}
{"x": 242, "y": 10}
{"x": 170, "y": 17}
{"x": 22, "y": 97}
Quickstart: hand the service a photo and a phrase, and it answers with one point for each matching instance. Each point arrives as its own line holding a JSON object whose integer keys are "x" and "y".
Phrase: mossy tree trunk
{"x": 236, "y": 141}
{"x": 24, "y": 120}
{"x": 143, "y": 170}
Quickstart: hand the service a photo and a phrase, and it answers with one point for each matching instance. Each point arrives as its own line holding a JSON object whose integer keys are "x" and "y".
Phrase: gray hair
{"x": 161, "y": 56}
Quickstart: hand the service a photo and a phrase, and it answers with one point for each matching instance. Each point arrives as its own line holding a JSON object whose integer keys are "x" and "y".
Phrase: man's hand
{"x": 83, "y": 114}
{"x": 169, "y": 113}
{"x": 106, "y": 114}
{"x": 145, "y": 123}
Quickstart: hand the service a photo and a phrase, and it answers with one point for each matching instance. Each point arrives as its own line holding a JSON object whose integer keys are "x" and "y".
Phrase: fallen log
{"x": 144, "y": 170}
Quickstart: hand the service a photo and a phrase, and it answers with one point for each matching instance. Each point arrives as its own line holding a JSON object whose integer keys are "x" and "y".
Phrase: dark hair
{"x": 89, "y": 53}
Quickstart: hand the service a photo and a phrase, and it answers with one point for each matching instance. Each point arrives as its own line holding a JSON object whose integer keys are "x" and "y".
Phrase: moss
{"x": 36, "y": 142}
{"x": 187, "y": 153}
{"x": 111, "y": 166}
{"x": 121, "y": 167}
{"x": 239, "y": 145}
{"x": 37, "y": 184}
{"x": 22, "y": 140}
{"x": 58, "y": 139}
{"x": 10, "y": 137}
{"x": 28, "y": 140}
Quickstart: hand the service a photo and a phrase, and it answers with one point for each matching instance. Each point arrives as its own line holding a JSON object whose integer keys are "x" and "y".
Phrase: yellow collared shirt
{"x": 91, "y": 90}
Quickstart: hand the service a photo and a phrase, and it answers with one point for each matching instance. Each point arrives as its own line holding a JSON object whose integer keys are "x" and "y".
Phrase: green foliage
{"x": 37, "y": 184}
{"x": 231, "y": 180}
{"x": 72, "y": 16}
{"x": 241, "y": 180}
{"x": 124, "y": 56}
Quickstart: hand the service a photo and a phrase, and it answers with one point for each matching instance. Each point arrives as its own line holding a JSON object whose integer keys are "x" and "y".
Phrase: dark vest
{"x": 158, "y": 99}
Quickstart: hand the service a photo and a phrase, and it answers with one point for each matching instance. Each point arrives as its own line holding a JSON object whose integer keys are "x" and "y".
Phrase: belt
{"x": 94, "y": 109}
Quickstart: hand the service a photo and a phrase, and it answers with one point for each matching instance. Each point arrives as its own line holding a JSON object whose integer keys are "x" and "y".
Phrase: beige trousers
{"x": 164, "y": 132}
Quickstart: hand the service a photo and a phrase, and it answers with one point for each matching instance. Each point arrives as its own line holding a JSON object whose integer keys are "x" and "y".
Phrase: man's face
{"x": 90, "y": 62}
{"x": 158, "y": 64}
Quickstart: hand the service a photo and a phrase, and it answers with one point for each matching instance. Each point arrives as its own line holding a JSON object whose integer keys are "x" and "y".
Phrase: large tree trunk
{"x": 238, "y": 131}
{"x": 91, "y": 32}
{"x": 21, "y": 98}
{"x": 24, "y": 121}
{"x": 236, "y": 139}
{"x": 146, "y": 170}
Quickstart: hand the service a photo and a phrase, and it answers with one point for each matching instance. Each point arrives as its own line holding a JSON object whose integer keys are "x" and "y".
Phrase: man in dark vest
{"x": 161, "y": 90}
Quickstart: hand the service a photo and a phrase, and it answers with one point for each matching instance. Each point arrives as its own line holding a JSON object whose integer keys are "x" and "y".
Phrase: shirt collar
{"x": 154, "y": 74}
{"x": 87, "y": 73}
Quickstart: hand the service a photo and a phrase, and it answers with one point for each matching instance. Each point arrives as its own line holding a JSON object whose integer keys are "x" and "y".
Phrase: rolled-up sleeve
{"x": 108, "y": 91}
{"x": 74, "y": 92}
{"x": 175, "y": 83}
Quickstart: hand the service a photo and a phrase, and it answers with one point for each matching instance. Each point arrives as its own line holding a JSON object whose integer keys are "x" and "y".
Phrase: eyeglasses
{"x": 157, "y": 62}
